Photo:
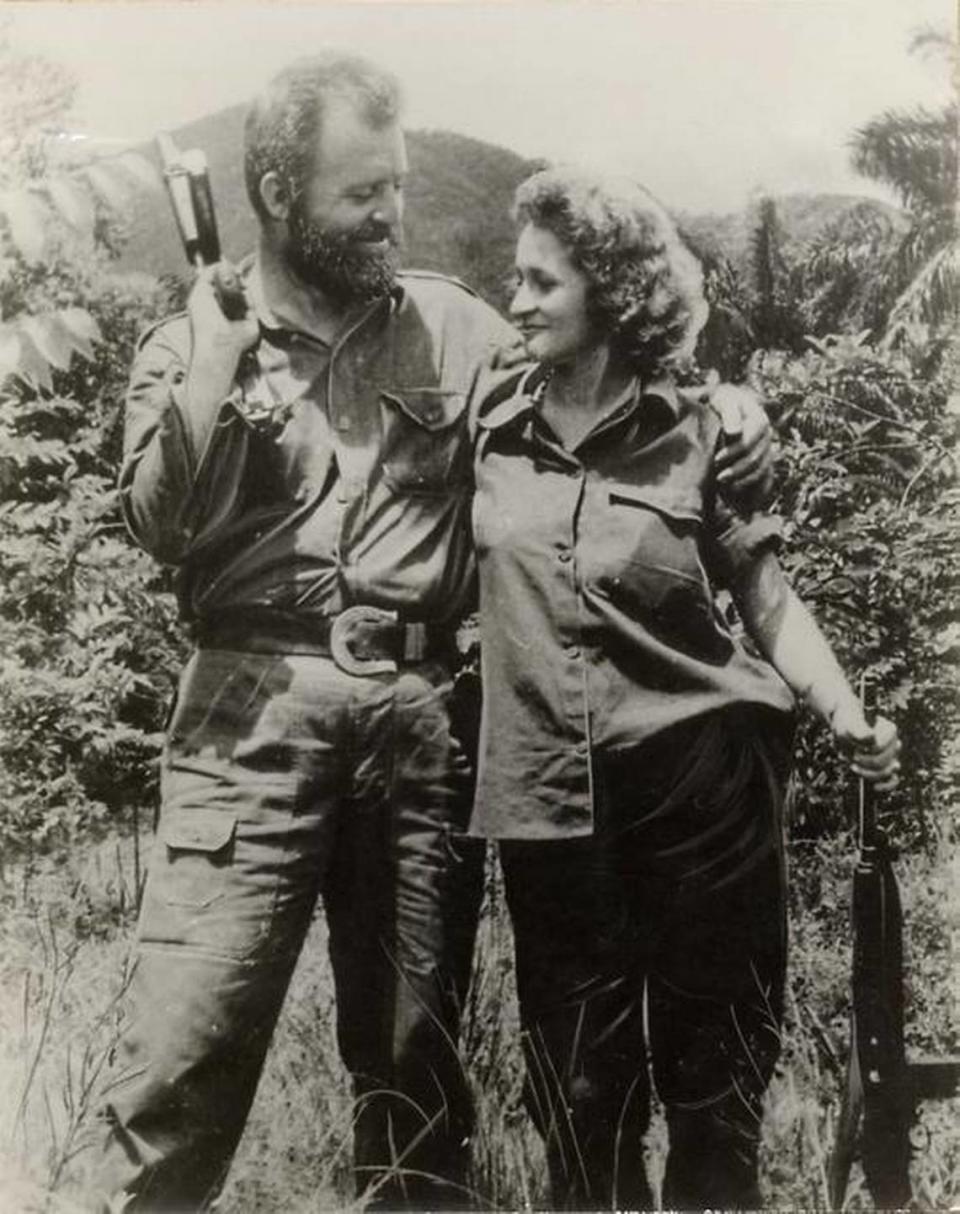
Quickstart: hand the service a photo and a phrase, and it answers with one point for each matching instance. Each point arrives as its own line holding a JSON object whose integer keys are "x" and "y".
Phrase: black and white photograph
{"x": 479, "y": 630}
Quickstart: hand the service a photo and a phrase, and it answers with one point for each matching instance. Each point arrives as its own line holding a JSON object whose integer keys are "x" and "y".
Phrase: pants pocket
{"x": 199, "y": 894}
{"x": 197, "y": 844}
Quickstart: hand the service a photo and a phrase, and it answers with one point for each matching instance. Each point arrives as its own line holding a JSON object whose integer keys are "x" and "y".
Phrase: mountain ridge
{"x": 456, "y": 218}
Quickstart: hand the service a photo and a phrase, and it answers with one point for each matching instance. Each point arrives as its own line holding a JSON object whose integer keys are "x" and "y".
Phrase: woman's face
{"x": 549, "y": 305}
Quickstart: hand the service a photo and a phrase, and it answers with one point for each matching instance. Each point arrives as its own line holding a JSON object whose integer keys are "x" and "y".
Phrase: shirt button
{"x": 565, "y": 555}
{"x": 572, "y": 651}
{"x": 582, "y": 749}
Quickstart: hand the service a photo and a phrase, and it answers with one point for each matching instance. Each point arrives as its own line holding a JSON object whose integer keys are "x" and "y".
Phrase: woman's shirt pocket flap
{"x": 431, "y": 408}
{"x": 675, "y": 502}
{"x": 206, "y": 830}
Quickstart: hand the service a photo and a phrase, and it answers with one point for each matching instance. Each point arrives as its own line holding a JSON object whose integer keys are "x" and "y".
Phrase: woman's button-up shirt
{"x": 598, "y": 613}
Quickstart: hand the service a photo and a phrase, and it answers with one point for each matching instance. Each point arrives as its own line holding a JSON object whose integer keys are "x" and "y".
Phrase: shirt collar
{"x": 522, "y": 402}
{"x": 274, "y": 327}
{"x": 657, "y": 392}
{"x": 519, "y": 404}
{"x": 253, "y": 284}
{"x": 662, "y": 389}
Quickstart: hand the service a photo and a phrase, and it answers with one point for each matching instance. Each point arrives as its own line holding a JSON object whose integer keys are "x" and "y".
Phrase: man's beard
{"x": 338, "y": 263}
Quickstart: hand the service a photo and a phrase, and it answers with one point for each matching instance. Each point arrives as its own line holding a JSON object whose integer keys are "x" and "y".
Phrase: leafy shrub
{"x": 86, "y": 627}
{"x": 86, "y": 623}
{"x": 868, "y": 487}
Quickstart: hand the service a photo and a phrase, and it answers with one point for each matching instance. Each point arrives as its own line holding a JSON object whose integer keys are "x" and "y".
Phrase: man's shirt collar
{"x": 280, "y": 332}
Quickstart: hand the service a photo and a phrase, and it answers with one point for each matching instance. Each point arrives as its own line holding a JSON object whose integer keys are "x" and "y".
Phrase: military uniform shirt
{"x": 598, "y": 613}
{"x": 334, "y": 474}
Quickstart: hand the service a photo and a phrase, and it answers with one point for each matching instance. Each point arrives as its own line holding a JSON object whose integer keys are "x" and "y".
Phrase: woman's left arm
{"x": 790, "y": 638}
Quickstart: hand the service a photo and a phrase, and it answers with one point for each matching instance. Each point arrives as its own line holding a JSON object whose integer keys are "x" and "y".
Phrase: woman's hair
{"x": 645, "y": 288}
{"x": 284, "y": 123}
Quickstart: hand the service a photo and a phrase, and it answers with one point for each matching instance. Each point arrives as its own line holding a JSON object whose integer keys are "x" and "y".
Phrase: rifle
{"x": 882, "y": 1087}
{"x": 188, "y": 185}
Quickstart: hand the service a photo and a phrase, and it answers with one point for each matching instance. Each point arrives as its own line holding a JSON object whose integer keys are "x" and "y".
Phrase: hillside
{"x": 802, "y": 218}
{"x": 457, "y": 202}
{"x": 458, "y": 199}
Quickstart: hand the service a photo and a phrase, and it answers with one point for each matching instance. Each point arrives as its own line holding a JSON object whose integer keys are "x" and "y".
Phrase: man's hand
{"x": 744, "y": 463}
{"x": 873, "y": 751}
{"x": 218, "y": 342}
{"x": 506, "y": 357}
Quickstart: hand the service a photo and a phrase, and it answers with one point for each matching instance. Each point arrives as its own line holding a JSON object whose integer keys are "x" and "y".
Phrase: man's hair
{"x": 644, "y": 286}
{"x": 285, "y": 121}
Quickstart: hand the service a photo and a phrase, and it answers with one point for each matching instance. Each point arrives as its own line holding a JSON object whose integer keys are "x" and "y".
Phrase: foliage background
{"x": 844, "y": 315}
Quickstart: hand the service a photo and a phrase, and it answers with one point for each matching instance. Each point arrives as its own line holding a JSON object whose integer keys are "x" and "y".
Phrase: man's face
{"x": 344, "y": 227}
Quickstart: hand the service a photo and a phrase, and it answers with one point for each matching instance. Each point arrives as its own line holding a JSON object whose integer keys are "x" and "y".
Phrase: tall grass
{"x": 65, "y": 936}
{"x": 63, "y": 976}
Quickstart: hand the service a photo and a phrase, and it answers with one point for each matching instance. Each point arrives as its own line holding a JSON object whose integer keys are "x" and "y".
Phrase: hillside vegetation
{"x": 458, "y": 199}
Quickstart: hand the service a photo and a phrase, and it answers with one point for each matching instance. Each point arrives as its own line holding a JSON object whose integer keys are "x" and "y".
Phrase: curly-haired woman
{"x": 634, "y": 745}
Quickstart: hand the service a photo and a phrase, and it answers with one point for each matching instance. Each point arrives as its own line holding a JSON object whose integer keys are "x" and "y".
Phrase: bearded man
{"x": 307, "y": 470}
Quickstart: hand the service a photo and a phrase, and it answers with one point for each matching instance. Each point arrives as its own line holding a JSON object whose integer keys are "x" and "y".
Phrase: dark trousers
{"x": 286, "y": 780}
{"x": 657, "y": 942}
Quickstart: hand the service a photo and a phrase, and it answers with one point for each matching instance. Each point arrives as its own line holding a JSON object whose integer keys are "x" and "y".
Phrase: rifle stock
{"x": 191, "y": 197}
{"x": 878, "y": 1024}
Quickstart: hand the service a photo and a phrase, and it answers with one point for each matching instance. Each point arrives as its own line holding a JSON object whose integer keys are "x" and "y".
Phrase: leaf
{"x": 72, "y": 202}
{"x": 932, "y": 295}
{"x": 10, "y": 352}
{"x": 51, "y": 337}
{"x": 25, "y": 215}
{"x": 83, "y": 330}
{"x": 108, "y": 184}
{"x": 33, "y": 368}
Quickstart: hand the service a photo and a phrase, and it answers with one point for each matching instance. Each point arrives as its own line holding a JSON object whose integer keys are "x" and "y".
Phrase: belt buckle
{"x": 361, "y": 613}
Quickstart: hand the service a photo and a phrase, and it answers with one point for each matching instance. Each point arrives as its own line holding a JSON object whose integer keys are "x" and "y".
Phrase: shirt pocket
{"x": 425, "y": 446}
{"x": 658, "y": 529}
{"x": 653, "y": 570}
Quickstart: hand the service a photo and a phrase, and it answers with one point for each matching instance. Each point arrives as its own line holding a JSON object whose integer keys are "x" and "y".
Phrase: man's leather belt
{"x": 361, "y": 640}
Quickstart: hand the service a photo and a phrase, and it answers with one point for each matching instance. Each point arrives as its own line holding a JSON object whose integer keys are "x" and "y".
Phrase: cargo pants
{"x": 286, "y": 779}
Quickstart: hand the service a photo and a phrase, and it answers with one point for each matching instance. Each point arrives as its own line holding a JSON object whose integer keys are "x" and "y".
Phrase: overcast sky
{"x": 705, "y": 101}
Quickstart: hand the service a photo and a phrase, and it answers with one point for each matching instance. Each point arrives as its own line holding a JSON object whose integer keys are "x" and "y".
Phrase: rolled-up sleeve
{"x": 737, "y": 540}
{"x": 175, "y": 498}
